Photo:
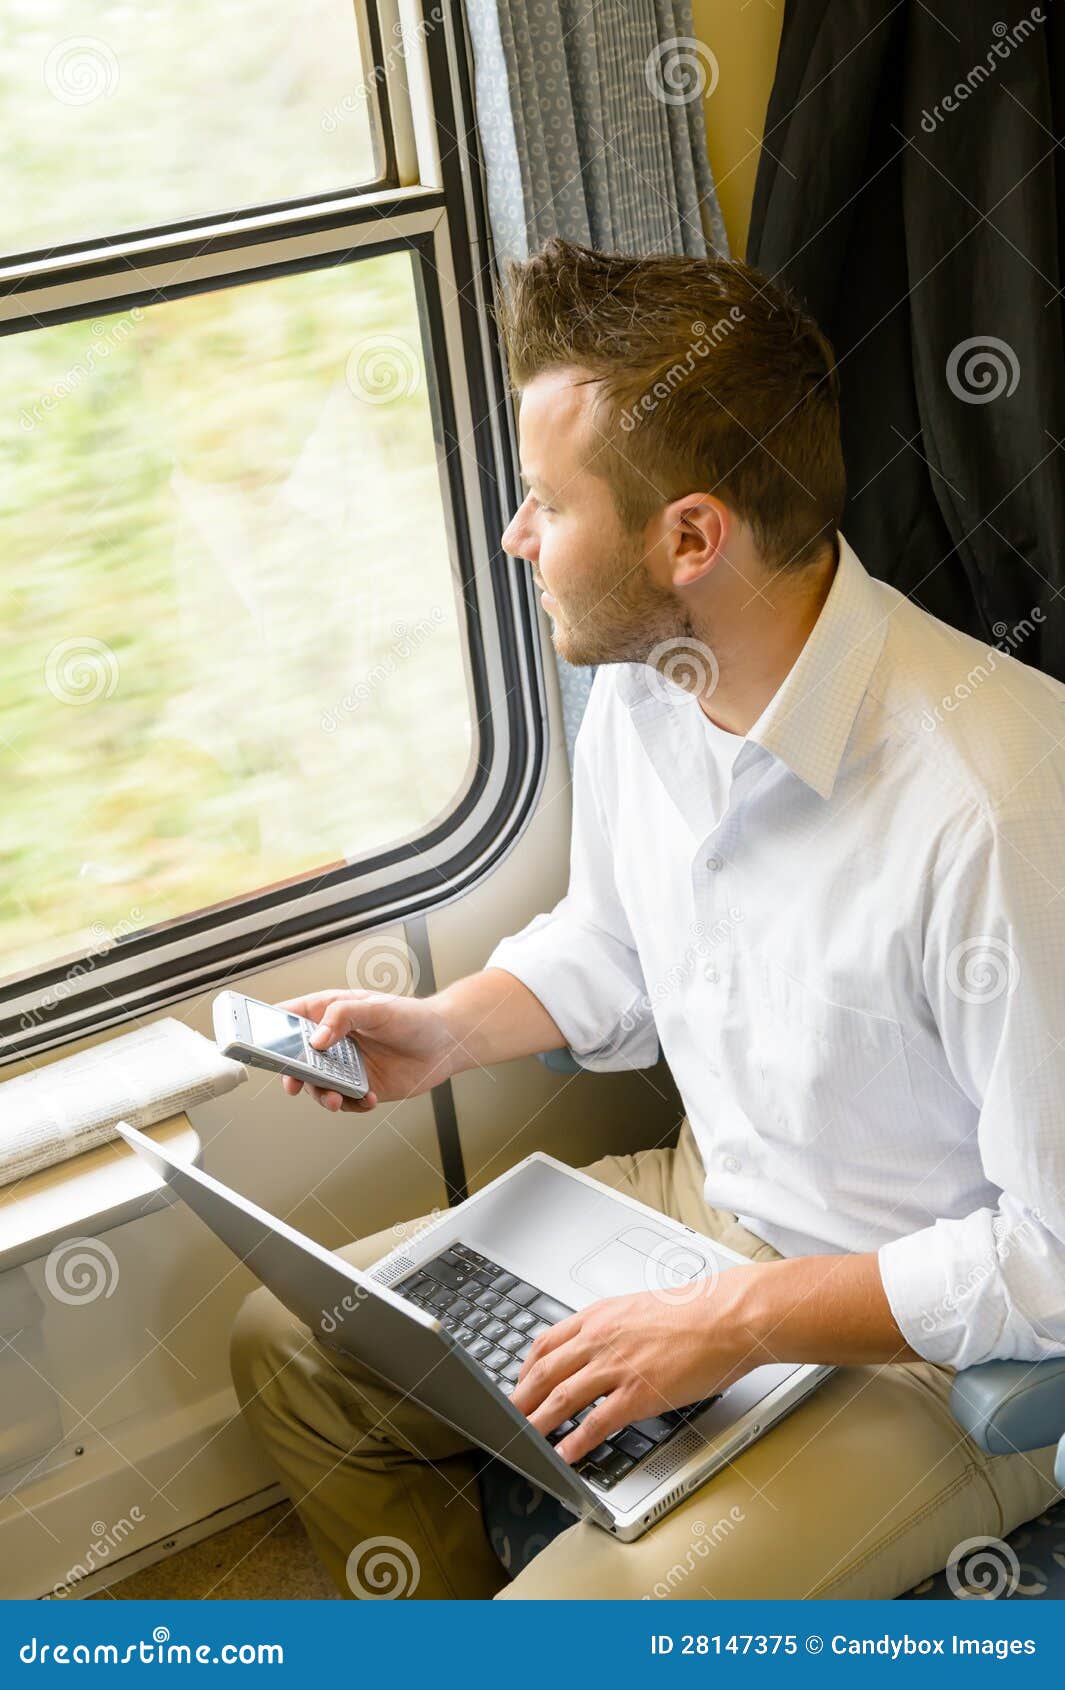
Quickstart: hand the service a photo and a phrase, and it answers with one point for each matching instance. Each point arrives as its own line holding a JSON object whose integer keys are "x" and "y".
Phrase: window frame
{"x": 443, "y": 224}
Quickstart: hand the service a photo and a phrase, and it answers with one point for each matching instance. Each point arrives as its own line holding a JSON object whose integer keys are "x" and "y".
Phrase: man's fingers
{"x": 605, "y": 1419}
{"x": 311, "y": 1007}
{"x": 549, "y": 1373}
{"x": 571, "y": 1395}
{"x": 292, "y": 1086}
{"x": 350, "y": 1015}
{"x": 560, "y": 1333}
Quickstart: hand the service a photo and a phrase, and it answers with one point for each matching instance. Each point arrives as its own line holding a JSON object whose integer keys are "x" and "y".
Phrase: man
{"x": 816, "y": 860}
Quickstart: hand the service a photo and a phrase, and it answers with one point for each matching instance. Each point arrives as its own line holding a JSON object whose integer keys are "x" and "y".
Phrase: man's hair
{"x": 711, "y": 378}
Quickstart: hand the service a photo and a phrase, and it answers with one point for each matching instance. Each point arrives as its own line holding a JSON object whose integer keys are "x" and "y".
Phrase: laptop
{"x": 448, "y": 1315}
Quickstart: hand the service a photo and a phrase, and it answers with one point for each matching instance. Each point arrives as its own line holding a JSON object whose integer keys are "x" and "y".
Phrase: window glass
{"x": 230, "y": 651}
{"x": 126, "y": 114}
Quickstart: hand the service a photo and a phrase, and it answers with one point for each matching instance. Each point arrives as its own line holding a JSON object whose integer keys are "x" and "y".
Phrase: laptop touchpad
{"x": 639, "y": 1258}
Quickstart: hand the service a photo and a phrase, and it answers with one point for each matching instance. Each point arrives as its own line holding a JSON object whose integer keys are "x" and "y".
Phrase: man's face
{"x": 597, "y": 588}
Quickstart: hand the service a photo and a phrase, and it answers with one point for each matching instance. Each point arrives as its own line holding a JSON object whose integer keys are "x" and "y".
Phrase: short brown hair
{"x": 727, "y": 384}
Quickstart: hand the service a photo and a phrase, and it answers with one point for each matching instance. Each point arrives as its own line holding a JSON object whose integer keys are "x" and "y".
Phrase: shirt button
{"x": 732, "y": 1164}
{"x": 712, "y": 975}
{"x": 714, "y": 863}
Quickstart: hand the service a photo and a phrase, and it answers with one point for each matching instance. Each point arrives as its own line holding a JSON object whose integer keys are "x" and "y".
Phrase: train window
{"x": 238, "y": 658}
{"x": 265, "y": 676}
{"x": 127, "y": 115}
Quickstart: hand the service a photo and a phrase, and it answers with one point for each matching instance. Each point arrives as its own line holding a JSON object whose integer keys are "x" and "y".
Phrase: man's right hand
{"x": 405, "y": 1044}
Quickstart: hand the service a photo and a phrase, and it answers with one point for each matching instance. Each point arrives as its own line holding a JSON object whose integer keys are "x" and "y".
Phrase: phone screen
{"x": 275, "y": 1030}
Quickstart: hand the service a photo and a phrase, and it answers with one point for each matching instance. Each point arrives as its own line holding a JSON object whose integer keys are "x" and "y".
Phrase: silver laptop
{"x": 448, "y": 1315}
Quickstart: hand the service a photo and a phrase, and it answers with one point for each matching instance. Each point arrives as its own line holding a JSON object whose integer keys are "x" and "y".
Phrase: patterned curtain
{"x": 590, "y": 117}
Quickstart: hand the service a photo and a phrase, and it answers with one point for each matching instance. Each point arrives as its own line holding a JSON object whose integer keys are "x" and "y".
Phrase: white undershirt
{"x": 722, "y": 749}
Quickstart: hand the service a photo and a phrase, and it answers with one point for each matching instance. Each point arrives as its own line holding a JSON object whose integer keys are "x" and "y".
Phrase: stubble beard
{"x": 621, "y": 618}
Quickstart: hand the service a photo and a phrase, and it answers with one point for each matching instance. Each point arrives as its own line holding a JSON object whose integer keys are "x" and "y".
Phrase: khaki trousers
{"x": 862, "y": 1491}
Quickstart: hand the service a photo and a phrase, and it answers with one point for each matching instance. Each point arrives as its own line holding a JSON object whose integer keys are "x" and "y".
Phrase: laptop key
{"x": 505, "y": 1308}
{"x": 477, "y": 1318}
{"x": 497, "y": 1360}
{"x": 618, "y": 1464}
{"x": 562, "y": 1431}
{"x": 513, "y": 1341}
{"x": 445, "y": 1274}
{"x": 522, "y": 1321}
{"x": 511, "y": 1371}
{"x": 481, "y": 1349}
{"x": 595, "y": 1474}
{"x": 494, "y": 1329}
{"x": 415, "y": 1282}
{"x": 503, "y": 1282}
{"x": 522, "y": 1293}
{"x": 600, "y": 1454}
{"x": 657, "y": 1428}
{"x": 546, "y": 1308}
{"x": 486, "y": 1299}
{"x": 632, "y": 1443}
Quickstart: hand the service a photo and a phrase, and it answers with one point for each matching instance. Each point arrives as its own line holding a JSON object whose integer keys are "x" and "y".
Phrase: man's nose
{"x": 519, "y": 539}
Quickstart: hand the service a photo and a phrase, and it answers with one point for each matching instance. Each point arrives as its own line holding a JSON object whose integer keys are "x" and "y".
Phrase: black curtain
{"x": 912, "y": 191}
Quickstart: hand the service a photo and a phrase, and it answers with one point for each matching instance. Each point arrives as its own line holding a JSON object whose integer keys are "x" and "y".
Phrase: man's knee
{"x": 264, "y": 1338}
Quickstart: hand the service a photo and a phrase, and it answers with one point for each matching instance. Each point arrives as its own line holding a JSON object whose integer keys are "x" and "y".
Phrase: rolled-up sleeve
{"x": 990, "y": 1285}
{"x": 580, "y": 959}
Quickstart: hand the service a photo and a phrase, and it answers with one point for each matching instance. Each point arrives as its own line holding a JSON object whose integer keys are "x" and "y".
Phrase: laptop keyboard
{"x": 495, "y": 1316}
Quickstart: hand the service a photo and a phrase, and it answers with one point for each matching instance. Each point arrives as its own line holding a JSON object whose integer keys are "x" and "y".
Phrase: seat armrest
{"x": 1011, "y": 1405}
{"x": 560, "y": 1061}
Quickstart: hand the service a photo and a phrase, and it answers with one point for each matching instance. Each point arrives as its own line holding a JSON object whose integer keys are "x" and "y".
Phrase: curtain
{"x": 590, "y": 119}
{"x": 912, "y": 191}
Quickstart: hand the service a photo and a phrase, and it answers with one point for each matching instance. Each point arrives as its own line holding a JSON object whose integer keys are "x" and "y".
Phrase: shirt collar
{"x": 807, "y": 722}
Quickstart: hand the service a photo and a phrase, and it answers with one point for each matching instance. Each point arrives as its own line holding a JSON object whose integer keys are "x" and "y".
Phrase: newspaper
{"x": 74, "y": 1104}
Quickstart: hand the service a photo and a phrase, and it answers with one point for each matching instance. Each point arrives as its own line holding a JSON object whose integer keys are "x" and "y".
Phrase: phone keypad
{"x": 340, "y": 1062}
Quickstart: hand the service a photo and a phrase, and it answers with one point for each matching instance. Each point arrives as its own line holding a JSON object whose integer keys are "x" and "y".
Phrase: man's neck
{"x": 772, "y": 625}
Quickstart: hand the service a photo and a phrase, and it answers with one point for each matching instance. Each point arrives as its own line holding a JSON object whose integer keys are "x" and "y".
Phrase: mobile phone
{"x": 267, "y": 1036}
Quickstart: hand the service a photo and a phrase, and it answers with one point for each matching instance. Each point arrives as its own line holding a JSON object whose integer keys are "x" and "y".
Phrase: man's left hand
{"x": 642, "y": 1353}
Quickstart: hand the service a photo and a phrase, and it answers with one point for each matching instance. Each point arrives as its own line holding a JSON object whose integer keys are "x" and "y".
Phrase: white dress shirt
{"x": 854, "y": 964}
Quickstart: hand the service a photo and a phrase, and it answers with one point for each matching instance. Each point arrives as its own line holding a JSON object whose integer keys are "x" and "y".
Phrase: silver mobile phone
{"x": 269, "y": 1037}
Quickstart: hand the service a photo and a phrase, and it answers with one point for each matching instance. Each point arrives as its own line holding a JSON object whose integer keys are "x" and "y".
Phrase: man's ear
{"x": 699, "y": 526}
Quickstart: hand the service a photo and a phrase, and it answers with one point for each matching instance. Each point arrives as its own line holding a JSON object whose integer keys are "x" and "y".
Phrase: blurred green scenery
{"x": 229, "y": 650}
